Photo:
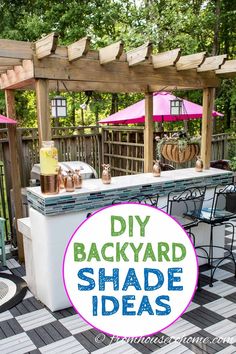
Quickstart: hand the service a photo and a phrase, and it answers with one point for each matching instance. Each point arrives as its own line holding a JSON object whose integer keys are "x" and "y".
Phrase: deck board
{"x": 31, "y": 328}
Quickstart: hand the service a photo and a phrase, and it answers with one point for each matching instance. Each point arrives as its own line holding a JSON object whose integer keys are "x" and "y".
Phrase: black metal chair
{"x": 149, "y": 199}
{"x": 222, "y": 212}
{"x": 167, "y": 167}
{"x": 184, "y": 205}
{"x": 221, "y": 164}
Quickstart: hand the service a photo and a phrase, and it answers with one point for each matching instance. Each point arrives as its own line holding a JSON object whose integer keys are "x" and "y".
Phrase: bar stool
{"x": 2, "y": 240}
{"x": 220, "y": 213}
{"x": 182, "y": 205}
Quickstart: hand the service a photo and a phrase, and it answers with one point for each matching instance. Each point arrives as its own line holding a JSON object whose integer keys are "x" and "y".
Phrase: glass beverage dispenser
{"x": 49, "y": 168}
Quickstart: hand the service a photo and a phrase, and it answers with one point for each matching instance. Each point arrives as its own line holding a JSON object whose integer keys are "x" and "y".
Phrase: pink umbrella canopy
{"x": 161, "y": 111}
{"x": 7, "y": 120}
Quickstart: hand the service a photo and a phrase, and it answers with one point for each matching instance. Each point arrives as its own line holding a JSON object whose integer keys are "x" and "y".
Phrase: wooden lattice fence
{"x": 123, "y": 149}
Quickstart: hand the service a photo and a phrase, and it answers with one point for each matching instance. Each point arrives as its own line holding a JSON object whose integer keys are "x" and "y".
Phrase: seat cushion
{"x": 218, "y": 215}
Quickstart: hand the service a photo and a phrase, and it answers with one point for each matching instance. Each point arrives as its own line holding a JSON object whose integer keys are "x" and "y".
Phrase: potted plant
{"x": 179, "y": 147}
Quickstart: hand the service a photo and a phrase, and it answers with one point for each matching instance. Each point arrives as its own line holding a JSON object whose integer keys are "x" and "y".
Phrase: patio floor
{"x": 30, "y": 327}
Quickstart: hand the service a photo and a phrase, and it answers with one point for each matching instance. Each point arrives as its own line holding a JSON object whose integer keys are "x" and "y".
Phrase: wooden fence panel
{"x": 123, "y": 149}
{"x": 73, "y": 144}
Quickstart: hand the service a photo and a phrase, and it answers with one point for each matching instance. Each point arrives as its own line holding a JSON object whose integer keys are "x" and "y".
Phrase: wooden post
{"x": 43, "y": 110}
{"x": 208, "y": 100}
{"x": 148, "y": 133}
{"x": 15, "y": 168}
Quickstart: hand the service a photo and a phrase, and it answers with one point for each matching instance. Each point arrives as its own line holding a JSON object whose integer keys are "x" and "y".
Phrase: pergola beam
{"x": 78, "y": 49}
{"x": 229, "y": 67}
{"x": 192, "y": 61}
{"x": 10, "y": 61}
{"x": 212, "y": 63}
{"x": 118, "y": 72}
{"x": 111, "y": 52}
{"x": 140, "y": 54}
{"x": 4, "y": 68}
{"x": 78, "y": 86}
{"x": 165, "y": 59}
{"x": 18, "y": 77}
{"x": 46, "y": 45}
{"x": 15, "y": 49}
{"x": 109, "y": 67}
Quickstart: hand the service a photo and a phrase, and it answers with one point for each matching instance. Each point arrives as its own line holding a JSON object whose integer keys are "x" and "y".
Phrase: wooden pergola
{"x": 44, "y": 66}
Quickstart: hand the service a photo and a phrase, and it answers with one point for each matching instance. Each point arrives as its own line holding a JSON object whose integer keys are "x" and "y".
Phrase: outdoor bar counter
{"x": 53, "y": 219}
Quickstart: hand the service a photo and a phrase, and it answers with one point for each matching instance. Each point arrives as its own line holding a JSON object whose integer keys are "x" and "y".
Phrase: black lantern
{"x": 176, "y": 107}
{"x": 59, "y": 107}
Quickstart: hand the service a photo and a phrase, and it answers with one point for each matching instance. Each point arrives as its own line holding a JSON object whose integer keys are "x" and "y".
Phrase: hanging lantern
{"x": 176, "y": 107}
{"x": 59, "y": 107}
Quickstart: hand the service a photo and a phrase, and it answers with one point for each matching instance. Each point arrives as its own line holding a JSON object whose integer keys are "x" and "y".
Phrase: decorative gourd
{"x": 106, "y": 174}
{"x": 156, "y": 171}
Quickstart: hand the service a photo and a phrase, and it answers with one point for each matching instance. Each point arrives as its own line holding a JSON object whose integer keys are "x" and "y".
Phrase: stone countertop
{"x": 94, "y": 194}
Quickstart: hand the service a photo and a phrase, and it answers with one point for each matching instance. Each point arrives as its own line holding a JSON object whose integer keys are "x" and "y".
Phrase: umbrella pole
{"x": 15, "y": 168}
{"x": 148, "y": 133}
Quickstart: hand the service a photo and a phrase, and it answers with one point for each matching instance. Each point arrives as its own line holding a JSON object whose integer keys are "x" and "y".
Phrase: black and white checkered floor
{"x": 30, "y": 327}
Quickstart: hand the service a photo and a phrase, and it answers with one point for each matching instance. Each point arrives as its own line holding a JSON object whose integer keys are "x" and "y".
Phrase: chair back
{"x": 167, "y": 167}
{"x": 186, "y": 202}
{"x": 224, "y": 202}
{"x": 141, "y": 199}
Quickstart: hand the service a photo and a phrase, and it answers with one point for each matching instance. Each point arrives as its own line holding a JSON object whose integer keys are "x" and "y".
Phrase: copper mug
{"x": 106, "y": 174}
{"x": 60, "y": 179}
{"x": 69, "y": 182}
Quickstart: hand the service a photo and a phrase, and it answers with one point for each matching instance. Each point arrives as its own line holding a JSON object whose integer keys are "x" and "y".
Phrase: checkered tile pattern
{"x": 30, "y": 327}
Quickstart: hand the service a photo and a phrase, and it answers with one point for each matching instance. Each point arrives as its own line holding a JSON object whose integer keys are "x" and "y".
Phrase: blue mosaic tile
{"x": 94, "y": 200}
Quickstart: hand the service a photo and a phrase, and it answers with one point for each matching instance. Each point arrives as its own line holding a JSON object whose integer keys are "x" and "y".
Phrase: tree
{"x": 196, "y": 25}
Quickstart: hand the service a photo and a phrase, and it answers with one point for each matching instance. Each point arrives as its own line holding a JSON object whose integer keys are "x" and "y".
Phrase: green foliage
{"x": 2, "y": 103}
{"x": 232, "y": 149}
{"x": 196, "y": 25}
{"x": 232, "y": 164}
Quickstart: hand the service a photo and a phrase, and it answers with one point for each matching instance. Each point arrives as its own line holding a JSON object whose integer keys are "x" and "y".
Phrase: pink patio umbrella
{"x": 161, "y": 111}
{"x": 7, "y": 120}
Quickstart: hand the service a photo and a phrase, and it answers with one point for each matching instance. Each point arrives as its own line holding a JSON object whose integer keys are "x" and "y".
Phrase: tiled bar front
{"x": 53, "y": 219}
{"x": 96, "y": 195}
